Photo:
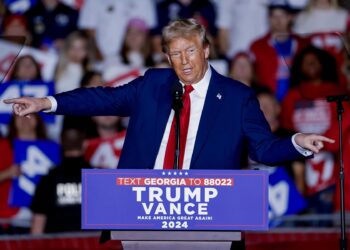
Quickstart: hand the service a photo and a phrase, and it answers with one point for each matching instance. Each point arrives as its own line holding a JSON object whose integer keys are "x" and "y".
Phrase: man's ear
{"x": 206, "y": 51}
{"x": 169, "y": 60}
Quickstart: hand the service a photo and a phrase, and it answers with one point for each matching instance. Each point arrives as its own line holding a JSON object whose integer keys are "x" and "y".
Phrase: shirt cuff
{"x": 53, "y": 105}
{"x": 301, "y": 150}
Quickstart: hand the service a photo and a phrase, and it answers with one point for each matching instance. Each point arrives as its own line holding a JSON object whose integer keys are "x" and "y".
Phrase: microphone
{"x": 177, "y": 105}
{"x": 337, "y": 98}
{"x": 177, "y": 93}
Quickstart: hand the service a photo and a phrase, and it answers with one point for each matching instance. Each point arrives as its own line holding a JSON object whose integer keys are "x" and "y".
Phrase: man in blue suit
{"x": 224, "y": 114}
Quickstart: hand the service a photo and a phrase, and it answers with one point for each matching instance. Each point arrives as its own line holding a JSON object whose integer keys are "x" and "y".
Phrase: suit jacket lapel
{"x": 212, "y": 103}
{"x": 163, "y": 112}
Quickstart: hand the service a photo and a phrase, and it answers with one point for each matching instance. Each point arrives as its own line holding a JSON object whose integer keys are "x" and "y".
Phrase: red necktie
{"x": 184, "y": 121}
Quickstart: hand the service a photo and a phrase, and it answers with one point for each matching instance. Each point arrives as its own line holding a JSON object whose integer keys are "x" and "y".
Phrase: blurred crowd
{"x": 293, "y": 53}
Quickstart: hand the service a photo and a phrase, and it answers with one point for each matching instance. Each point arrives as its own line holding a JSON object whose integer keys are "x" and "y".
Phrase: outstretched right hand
{"x": 24, "y": 106}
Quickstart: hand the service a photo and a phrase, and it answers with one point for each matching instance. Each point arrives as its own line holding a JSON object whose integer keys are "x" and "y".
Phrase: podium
{"x": 158, "y": 209}
{"x": 176, "y": 239}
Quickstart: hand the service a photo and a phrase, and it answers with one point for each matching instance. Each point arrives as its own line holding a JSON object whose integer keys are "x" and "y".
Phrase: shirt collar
{"x": 201, "y": 87}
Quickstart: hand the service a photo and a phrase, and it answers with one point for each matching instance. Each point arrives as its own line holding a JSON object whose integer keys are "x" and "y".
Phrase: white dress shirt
{"x": 197, "y": 97}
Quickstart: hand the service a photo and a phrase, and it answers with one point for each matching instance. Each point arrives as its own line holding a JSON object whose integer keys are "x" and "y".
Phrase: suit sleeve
{"x": 120, "y": 101}
{"x": 264, "y": 147}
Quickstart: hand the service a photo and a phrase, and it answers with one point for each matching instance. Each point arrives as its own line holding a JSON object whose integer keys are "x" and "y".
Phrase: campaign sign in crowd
{"x": 35, "y": 159}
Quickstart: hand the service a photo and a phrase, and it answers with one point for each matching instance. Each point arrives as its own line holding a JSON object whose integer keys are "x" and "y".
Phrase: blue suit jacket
{"x": 226, "y": 125}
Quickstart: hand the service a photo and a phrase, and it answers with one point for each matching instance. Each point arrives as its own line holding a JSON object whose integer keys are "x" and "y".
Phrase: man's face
{"x": 188, "y": 57}
{"x": 279, "y": 20}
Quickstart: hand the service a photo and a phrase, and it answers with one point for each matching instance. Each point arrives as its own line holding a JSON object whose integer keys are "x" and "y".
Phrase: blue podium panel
{"x": 175, "y": 200}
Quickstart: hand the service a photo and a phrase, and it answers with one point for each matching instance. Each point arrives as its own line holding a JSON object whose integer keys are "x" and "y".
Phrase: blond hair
{"x": 183, "y": 28}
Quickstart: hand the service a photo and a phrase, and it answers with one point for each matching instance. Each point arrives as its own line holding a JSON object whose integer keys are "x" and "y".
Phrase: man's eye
{"x": 191, "y": 51}
{"x": 175, "y": 54}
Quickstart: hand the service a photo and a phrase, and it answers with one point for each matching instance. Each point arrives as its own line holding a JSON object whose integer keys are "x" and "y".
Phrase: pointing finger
{"x": 10, "y": 101}
{"x": 325, "y": 139}
{"x": 20, "y": 100}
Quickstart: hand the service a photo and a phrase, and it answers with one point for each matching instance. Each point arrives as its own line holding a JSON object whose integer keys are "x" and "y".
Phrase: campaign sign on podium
{"x": 175, "y": 200}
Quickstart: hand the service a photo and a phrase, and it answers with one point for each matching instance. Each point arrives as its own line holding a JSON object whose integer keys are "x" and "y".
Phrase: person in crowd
{"x": 75, "y": 58}
{"x": 239, "y": 24}
{"x": 85, "y": 123}
{"x": 321, "y": 16}
{"x": 50, "y": 21}
{"x": 26, "y": 68}
{"x": 108, "y": 126}
{"x": 56, "y": 205}
{"x": 324, "y": 22}
{"x": 91, "y": 78}
{"x": 271, "y": 109}
{"x": 94, "y": 126}
{"x": 15, "y": 29}
{"x": 104, "y": 149}
{"x": 219, "y": 113}
{"x": 136, "y": 49}
{"x": 345, "y": 58}
{"x": 305, "y": 109}
{"x": 294, "y": 171}
{"x": 274, "y": 52}
{"x": 3, "y": 11}
{"x": 8, "y": 170}
{"x": 135, "y": 55}
{"x": 242, "y": 69}
{"x": 106, "y": 22}
{"x": 19, "y": 129}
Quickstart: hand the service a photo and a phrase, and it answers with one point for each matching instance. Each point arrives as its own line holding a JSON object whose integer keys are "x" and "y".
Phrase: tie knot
{"x": 188, "y": 89}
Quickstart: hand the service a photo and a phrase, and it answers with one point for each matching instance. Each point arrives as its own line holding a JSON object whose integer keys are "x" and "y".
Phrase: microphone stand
{"x": 177, "y": 139}
{"x": 338, "y": 99}
{"x": 177, "y": 106}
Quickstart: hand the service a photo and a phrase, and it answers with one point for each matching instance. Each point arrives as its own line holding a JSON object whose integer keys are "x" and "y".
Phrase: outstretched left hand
{"x": 312, "y": 142}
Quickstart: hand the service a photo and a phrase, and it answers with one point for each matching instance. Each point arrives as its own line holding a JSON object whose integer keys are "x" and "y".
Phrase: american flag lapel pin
{"x": 219, "y": 96}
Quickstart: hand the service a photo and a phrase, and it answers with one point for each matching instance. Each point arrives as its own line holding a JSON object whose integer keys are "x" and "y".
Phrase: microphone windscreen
{"x": 176, "y": 89}
{"x": 176, "y": 92}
